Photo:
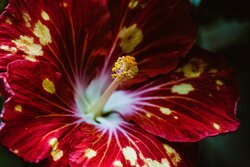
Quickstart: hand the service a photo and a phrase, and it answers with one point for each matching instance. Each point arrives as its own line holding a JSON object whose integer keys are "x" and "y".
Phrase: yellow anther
{"x": 125, "y": 68}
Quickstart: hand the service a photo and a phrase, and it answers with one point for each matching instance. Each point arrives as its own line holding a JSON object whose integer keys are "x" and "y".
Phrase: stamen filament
{"x": 97, "y": 108}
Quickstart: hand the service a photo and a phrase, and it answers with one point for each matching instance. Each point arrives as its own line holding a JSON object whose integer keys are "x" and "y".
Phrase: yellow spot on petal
{"x": 216, "y": 126}
{"x": 8, "y": 49}
{"x": 117, "y": 164}
{"x": 149, "y": 115}
{"x": 213, "y": 71}
{"x": 133, "y": 4}
{"x": 154, "y": 163}
{"x": 42, "y": 32}
{"x": 30, "y": 58}
{"x": 182, "y": 89}
{"x": 27, "y": 45}
{"x": 125, "y": 68}
{"x": 27, "y": 19}
{"x": 130, "y": 37}
{"x": 194, "y": 68}
{"x": 53, "y": 143}
{"x": 130, "y": 155}
{"x": 165, "y": 111}
{"x": 174, "y": 156}
{"x": 48, "y": 86}
{"x": 18, "y": 108}
{"x": 218, "y": 82}
{"x": 63, "y": 4}
{"x": 8, "y": 21}
{"x": 89, "y": 153}
{"x": 45, "y": 16}
{"x": 16, "y": 151}
{"x": 55, "y": 152}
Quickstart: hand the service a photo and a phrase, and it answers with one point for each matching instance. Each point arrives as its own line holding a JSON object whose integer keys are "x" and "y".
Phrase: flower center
{"x": 125, "y": 68}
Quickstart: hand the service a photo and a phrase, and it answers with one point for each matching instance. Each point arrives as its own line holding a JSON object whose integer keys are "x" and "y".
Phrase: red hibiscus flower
{"x": 107, "y": 83}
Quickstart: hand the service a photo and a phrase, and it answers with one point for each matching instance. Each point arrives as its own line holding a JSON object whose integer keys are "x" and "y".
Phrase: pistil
{"x": 125, "y": 68}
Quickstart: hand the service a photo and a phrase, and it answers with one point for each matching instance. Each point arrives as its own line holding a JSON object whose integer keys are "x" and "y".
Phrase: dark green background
{"x": 224, "y": 26}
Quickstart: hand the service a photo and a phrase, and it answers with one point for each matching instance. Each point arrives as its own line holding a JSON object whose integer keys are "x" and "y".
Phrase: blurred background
{"x": 224, "y": 27}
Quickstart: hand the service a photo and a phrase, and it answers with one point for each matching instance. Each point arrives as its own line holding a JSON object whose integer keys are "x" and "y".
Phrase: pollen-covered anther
{"x": 125, "y": 68}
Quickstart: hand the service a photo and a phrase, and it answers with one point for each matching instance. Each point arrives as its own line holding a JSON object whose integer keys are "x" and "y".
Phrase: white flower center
{"x": 100, "y": 98}
{"x": 119, "y": 101}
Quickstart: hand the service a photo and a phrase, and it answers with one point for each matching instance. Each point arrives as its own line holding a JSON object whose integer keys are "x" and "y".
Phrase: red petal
{"x": 123, "y": 145}
{"x": 29, "y": 138}
{"x": 196, "y": 101}
{"x": 42, "y": 88}
{"x": 168, "y": 33}
{"x": 39, "y": 109}
{"x": 5, "y": 90}
{"x": 64, "y": 34}
{"x": 68, "y": 34}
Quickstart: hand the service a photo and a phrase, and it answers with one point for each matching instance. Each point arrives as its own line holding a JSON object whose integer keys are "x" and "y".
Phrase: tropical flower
{"x": 107, "y": 83}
